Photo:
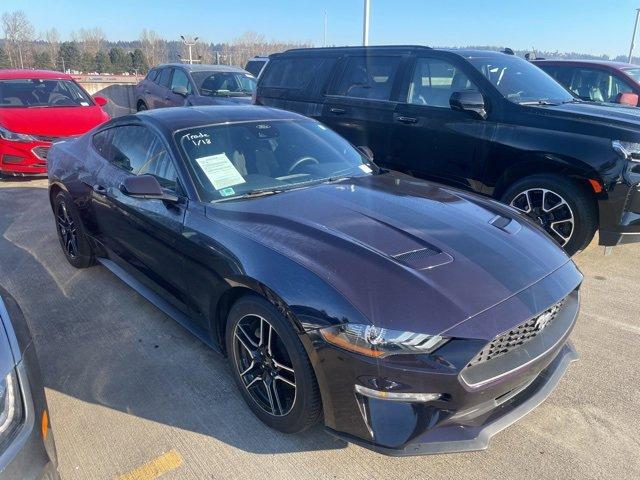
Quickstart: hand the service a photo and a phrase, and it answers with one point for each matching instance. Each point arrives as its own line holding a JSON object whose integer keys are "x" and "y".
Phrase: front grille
{"x": 514, "y": 338}
{"x": 41, "y": 152}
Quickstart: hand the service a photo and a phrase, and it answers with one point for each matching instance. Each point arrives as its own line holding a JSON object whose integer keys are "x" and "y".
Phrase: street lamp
{"x": 633, "y": 38}
{"x": 365, "y": 27}
{"x": 189, "y": 43}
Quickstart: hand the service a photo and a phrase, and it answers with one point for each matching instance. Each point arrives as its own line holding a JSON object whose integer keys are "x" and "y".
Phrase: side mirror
{"x": 180, "y": 91}
{"x": 100, "y": 101}
{"x": 366, "y": 151}
{"x": 469, "y": 101}
{"x": 145, "y": 186}
{"x": 628, "y": 99}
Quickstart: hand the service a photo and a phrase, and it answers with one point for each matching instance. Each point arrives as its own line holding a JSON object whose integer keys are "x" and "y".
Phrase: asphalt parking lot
{"x": 134, "y": 396}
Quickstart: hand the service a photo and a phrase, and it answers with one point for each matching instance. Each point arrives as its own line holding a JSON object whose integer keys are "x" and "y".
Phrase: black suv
{"x": 488, "y": 122}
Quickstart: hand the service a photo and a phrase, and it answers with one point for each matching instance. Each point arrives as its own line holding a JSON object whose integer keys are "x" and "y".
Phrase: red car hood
{"x": 52, "y": 121}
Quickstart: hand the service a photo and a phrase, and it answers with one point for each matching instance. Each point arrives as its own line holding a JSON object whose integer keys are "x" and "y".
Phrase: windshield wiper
{"x": 537, "y": 102}
{"x": 260, "y": 192}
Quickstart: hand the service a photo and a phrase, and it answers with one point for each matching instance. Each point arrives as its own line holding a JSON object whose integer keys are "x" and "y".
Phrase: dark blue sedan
{"x": 411, "y": 318}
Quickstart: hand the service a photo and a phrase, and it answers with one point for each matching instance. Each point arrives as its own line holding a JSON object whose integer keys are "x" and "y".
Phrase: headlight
{"x": 10, "y": 406}
{"x": 380, "y": 342}
{"x": 629, "y": 150}
{"x": 15, "y": 137}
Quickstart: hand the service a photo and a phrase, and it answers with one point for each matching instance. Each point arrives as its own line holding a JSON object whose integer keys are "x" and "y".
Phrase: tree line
{"x": 88, "y": 50}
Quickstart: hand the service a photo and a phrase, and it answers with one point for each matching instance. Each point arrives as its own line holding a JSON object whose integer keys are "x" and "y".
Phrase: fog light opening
{"x": 397, "y": 396}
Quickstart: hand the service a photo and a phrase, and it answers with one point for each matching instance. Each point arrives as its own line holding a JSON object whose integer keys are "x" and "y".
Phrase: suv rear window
{"x": 295, "y": 73}
{"x": 368, "y": 77}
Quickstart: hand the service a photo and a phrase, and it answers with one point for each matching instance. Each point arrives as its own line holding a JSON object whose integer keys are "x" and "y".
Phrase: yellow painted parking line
{"x": 156, "y": 467}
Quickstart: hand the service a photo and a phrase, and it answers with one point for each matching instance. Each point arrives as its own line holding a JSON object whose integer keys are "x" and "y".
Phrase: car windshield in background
{"x": 224, "y": 84}
{"x": 633, "y": 73}
{"x": 27, "y": 92}
{"x": 259, "y": 158}
{"x": 519, "y": 81}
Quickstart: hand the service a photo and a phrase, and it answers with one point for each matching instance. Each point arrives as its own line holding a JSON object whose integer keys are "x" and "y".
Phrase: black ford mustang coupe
{"x": 410, "y": 317}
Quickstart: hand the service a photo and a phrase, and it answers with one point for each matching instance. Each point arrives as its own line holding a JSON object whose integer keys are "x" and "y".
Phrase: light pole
{"x": 324, "y": 42}
{"x": 633, "y": 38}
{"x": 365, "y": 27}
{"x": 189, "y": 43}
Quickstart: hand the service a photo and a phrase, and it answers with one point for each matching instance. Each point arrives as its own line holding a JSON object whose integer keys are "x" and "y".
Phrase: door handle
{"x": 99, "y": 189}
{"x": 407, "y": 119}
{"x": 337, "y": 111}
{"x": 147, "y": 92}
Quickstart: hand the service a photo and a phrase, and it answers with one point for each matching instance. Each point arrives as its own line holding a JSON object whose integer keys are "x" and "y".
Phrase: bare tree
{"x": 91, "y": 40}
{"x": 52, "y": 38}
{"x": 153, "y": 47}
{"x": 18, "y": 33}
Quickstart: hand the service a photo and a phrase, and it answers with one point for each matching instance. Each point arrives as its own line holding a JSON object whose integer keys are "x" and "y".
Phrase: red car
{"x": 38, "y": 107}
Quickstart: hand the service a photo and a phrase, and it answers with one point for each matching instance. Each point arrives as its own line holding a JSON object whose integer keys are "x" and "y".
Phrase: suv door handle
{"x": 99, "y": 189}
{"x": 407, "y": 119}
{"x": 337, "y": 111}
{"x": 147, "y": 92}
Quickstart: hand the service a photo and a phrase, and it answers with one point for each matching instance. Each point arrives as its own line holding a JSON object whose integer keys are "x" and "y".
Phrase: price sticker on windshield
{"x": 220, "y": 171}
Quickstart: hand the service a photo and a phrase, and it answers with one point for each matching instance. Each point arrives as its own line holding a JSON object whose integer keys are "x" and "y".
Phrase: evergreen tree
{"x": 139, "y": 61}
{"x": 69, "y": 56}
{"x": 87, "y": 63}
{"x": 102, "y": 63}
{"x": 120, "y": 61}
{"x": 4, "y": 59}
{"x": 42, "y": 60}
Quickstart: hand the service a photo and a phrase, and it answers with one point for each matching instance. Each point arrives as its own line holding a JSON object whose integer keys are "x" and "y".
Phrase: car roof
{"x": 605, "y": 63}
{"x": 203, "y": 68}
{"x": 178, "y": 118}
{"x": 386, "y": 48}
{"x": 26, "y": 73}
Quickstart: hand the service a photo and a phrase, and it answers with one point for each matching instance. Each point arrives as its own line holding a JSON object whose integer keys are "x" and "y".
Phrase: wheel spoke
{"x": 282, "y": 379}
{"x": 269, "y": 341}
{"x": 248, "y": 369}
{"x": 242, "y": 342}
{"x": 276, "y": 395}
{"x": 283, "y": 367}
{"x": 245, "y": 336}
{"x": 270, "y": 397}
{"x": 252, "y": 382}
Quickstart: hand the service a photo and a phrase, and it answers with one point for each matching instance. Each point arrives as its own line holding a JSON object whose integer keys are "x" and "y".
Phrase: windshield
{"x": 633, "y": 73}
{"x": 519, "y": 81}
{"x": 232, "y": 160}
{"x": 28, "y": 92}
{"x": 216, "y": 84}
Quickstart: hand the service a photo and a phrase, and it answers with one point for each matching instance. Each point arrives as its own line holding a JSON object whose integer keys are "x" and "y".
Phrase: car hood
{"x": 408, "y": 254}
{"x": 201, "y": 100}
{"x": 52, "y": 121}
{"x": 608, "y": 114}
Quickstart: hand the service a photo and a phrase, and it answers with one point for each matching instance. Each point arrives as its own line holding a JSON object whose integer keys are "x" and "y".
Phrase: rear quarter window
{"x": 297, "y": 73}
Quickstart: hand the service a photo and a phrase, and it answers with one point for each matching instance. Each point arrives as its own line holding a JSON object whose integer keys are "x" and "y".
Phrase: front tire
{"x": 74, "y": 242}
{"x": 271, "y": 367}
{"x": 566, "y": 210}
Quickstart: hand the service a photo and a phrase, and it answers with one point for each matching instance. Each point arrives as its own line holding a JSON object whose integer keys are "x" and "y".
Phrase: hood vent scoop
{"x": 423, "y": 258}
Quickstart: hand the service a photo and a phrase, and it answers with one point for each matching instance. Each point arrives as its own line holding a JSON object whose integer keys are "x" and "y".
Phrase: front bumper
{"x": 463, "y": 438}
{"x": 475, "y": 401}
{"x": 620, "y": 210}
{"x": 23, "y": 158}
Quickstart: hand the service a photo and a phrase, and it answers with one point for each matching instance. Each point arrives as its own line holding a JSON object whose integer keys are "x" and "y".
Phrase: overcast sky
{"x": 584, "y": 26}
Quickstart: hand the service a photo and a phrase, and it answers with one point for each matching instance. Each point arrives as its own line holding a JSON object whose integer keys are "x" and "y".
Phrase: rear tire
{"x": 73, "y": 240}
{"x": 141, "y": 107}
{"x": 566, "y": 210}
{"x": 263, "y": 345}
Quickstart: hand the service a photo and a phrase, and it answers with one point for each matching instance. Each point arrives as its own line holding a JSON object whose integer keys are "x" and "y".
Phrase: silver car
{"x": 27, "y": 448}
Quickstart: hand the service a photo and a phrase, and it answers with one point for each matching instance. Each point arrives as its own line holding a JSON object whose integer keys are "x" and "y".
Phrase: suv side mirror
{"x": 469, "y": 101}
{"x": 145, "y": 186}
{"x": 366, "y": 151}
{"x": 628, "y": 99}
{"x": 180, "y": 91}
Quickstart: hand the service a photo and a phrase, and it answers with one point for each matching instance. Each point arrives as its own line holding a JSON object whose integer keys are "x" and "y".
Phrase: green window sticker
{"x": 225, "y": 192}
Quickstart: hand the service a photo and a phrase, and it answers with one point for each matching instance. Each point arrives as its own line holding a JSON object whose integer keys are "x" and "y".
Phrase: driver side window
{"x": 180, "y": 79}
{"x": 139, "y": 151}
{"x": 434, "y": 81}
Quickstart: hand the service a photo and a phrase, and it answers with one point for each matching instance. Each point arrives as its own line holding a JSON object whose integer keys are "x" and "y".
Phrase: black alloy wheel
{"x": 564, "y": 208}
{"x": 74, "y": 243}
{"x": 270, "y": 366}
{"x": 263, "y": 363}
